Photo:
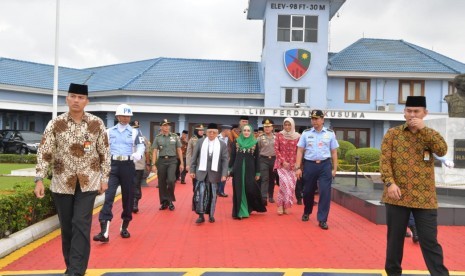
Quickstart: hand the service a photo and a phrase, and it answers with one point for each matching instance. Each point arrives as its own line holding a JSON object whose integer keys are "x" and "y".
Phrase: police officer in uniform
{"x": 123, "y": 138}
{"x": 166, "y": 152}
{"x": 318, "y": 147}
{"x": 267, "y": 159}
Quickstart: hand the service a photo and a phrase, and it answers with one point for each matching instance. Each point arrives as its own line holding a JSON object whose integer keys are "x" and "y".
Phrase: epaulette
{"x": 307, "y": 129}
{"x": 330, "y": 130}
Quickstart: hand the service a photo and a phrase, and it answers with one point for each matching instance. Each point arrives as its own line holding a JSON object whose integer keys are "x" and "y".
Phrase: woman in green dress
{"x": 244, "y": 163}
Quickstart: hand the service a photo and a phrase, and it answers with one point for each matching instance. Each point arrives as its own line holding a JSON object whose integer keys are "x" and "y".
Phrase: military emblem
{"x": 297, "y": 62}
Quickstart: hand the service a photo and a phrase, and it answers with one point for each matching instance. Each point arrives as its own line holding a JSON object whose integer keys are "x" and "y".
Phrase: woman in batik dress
{"x": 285, "y": 146}
{"x": 245, "y": 170}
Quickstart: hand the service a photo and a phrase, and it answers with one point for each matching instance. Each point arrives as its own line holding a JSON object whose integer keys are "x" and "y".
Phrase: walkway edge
{"x": 36, "y": 231}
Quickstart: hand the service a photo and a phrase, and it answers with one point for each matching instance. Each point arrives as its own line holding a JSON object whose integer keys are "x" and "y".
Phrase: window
{"x": 294, "y": 95}
{"x": 298, "y": 28}
{"x": 410, "y": 88}
{"x": 360, "y": 137}
{"x": 357, "y": 91}
{"x": 452, "y": 89}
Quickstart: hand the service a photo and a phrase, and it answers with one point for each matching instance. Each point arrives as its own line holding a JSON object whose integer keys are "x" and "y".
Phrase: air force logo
{"x": 297, "y": 62}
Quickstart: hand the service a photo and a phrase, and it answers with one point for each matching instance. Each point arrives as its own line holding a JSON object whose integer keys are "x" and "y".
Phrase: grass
{"x": 6, "y": 168}
{"x": 8, "y": 182}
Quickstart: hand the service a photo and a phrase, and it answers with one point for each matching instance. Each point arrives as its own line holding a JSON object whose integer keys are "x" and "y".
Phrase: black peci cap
{"x": 80, "y": 89}
{"x": 416, "y": 101}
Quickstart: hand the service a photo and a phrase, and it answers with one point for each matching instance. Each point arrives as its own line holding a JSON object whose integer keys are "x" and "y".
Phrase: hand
{"x": 103, "y": 188}
{"x": 334, "y": 173}
{"x": 181, "y": 167}
{"x": 393, "y": 192}
{"x": 187, "y": 168}
{"x": 136, "y": 156}
{"x": 223, "y": 178}
{"x": 298, "y": 173}
{"x": 286, "y": 165}
{"x": 416, "y": 123}
{"x": 192, "y": 175}
{"x": 257, "y": 177}
{"x": 154, "y": 169}
{"x": 449, "y": 163}
{"x": 39, "y": 190}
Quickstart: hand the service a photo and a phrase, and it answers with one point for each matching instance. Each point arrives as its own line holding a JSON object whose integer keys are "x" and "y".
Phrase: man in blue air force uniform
{"x": 123, "y": 138}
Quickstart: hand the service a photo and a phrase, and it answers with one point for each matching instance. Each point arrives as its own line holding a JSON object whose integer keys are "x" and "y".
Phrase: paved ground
{"x": 170, "y": 243}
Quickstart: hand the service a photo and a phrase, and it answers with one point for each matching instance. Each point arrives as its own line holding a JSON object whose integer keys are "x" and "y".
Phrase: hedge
{"x": 18, "y": 158}
{"x": 344, "y": 147}
{"x": 19, "y": 208}
{"x": 368, "y": 156}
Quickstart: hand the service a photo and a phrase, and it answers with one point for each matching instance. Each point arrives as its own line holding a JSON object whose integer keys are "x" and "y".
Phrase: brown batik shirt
{"x": 403, "y": 163}
{"x": 62, "y": 147}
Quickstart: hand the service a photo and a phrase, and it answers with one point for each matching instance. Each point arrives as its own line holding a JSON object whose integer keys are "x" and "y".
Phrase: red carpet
{"x": 171, "y": 239}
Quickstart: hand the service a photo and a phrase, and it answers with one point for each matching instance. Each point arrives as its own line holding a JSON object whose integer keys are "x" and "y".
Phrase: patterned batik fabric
{"x": 403, "y": 163}
{"x": 62, "y": 149}
{"x": 286, "y": 193}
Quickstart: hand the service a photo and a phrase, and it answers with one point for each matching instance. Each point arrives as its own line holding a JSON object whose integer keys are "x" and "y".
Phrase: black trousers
{"x": 184, "y": 172}
{"x": 122, "y": 174}
{"x": 166, "y": 179}
{"x": 75, "y": 215}
{"x": 137, "y": 184}
{"x": 426, "y": 221}
{"x": 267, "y": 176}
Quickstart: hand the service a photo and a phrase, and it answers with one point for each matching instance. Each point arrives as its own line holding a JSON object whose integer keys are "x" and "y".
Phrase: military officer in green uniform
{"x": 166, "y": 152}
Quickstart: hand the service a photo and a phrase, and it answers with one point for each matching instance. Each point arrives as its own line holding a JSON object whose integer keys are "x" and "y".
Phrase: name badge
{"x": 87, "y": 146}
{"x": 426, "y": 155}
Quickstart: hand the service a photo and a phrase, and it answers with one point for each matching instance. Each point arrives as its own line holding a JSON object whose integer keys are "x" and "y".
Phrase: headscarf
{"x": 246, "y": 143}
{"x": 196, "y": 133}
{"x": 291, "y": 135}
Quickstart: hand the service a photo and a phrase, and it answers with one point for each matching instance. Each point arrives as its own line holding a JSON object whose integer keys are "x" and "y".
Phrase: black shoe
{"x": 222, "y": 195}
{"x": 135, "y": 206}
{"x": 183, "y": 182}
{"x": 200, "y": 220}
{"x": 271, "y": 200}
{"x": 125, "y": 233}
{"x": 171, "y": 206}
{"x": 163, "y": 206}
{"x": 211, "y": 219}
{"x": 315, "y": 203}
{"x": 104, "y": 224}
{"x": 305, "y": 217}
{"x": 265, "y": 203}
{"x": 124, "y": 230}
{"x": 323, "y": 225}
{"x": 299, "y": 201}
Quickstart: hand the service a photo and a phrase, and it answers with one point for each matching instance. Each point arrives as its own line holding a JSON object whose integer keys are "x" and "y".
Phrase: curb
{"x": 36, "y": 231}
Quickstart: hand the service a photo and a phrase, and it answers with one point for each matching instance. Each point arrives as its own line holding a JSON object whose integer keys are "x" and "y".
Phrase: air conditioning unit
{"x": 381, "y": 108}
{"x": 390, "y": 107}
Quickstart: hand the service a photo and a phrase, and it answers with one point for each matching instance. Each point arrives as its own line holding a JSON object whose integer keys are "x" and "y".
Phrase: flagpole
{"x": 55, "y": 69}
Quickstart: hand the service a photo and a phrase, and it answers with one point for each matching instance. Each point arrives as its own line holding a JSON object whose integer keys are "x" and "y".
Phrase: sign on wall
{"x": 297, "y": 62}
{"x": 459, "y": 153}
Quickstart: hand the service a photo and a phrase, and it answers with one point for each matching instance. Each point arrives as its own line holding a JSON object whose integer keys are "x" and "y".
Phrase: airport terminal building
{"x": 362, "y": 88}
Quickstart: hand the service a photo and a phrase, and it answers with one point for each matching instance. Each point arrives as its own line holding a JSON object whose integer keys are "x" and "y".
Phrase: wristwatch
{"x": 296, "y": 168}
{"x": 388, "y": 184}
{"x": 37, "y": 179}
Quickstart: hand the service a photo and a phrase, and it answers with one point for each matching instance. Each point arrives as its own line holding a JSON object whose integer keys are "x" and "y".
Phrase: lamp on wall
{"x": 297, "y": 105}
